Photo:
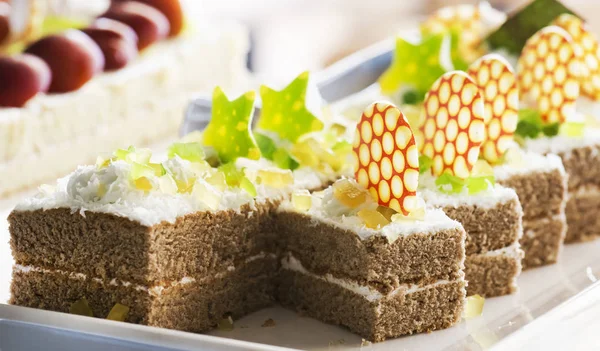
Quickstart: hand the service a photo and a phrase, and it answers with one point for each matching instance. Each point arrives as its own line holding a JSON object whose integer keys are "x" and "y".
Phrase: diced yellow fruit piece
{"x": 349, "y": 193}
{"x": 207, "y": 195}
{"x": 167, "y": 184}
{"x": 473, "y": 307}
{"x": 338, "y": 129}
{"x": 101, "y": 190}
{"x": 514, "y": 157}
{"x": 139, "y": 155}
{"x": 277, "y": 178}
{"x": 302, "y": 200}
{"x": 158, "y": 168}
{"x": 143, "y": 183}
{"x": 139, "y": 170}
{"x": 102, "y": 162}
{"x": 185, "y": 186}
{"x": 482, "y": 169}
{"x": 81, "y": 308}
{"x": 373, "y": 219}
{"x": 217, "y": 180}
{"x": 225, "y": 324}
{"x": 386, "y": 212}
{"x": 118, "y": 313}
{"x": 304, "y": 155}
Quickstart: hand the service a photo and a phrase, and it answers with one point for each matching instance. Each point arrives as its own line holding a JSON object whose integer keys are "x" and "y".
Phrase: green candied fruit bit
{"x": 139, "y": 170}
{"x": 285, "y": 112}
{"x": 229, "y": 129}
{"x": 159, "y": 169}
{"x": 266, "y": 145}
{"x": 81, "y": 307}
{"x": 247, "y": 185}
{"x": 233, "y": 176}
{"x": 416, "y": 66}
{"x": 118, "y": 313}
{"x": 283, "y": 159}
{"x": 473, "y": 306}
{"x": 450, "y": 184}
{"x": 121, "y": 154}
{"x": 479, "y": 184}
{"x": 551, "y": 129}
{"x": 193, "y": 152}
{"x": 425, "y": 164}
{"x": 572, "y": 129}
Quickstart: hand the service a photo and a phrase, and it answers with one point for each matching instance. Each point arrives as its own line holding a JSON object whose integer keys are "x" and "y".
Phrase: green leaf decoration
{"x": 236, "y": 178}
{"x": 513, "y": 34}
{"x": 266, "y": 145}
{"x": 414, "y": 66}
{"x": 229, "y": 129}
{"x": 531, "y": 126}
{"x": 279, "y": 155}
{"x": 193, "y": 152}
{"x": 285, "y": 112}
{"x": 451, "y": 184}
{"x": 425, "y": 163}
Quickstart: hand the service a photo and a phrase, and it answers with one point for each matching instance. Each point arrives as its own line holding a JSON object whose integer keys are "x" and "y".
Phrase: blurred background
{"x": 293, "y": 35}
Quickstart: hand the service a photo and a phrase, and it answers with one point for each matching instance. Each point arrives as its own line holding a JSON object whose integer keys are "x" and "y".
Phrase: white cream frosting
{"x": 562, "y": 143}
{"x": 489, "y": 198}
{"x": 326, "y": 209}
{"x": 531, "y": 163}
{"x": 80, "y": 190}
{"x": 371, "y": 294}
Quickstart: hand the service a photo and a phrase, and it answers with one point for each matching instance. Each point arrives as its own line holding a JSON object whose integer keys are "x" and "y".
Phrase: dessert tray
{"x": 544, "y": 303}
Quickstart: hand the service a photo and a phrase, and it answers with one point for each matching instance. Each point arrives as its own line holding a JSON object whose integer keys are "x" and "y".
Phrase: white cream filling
{"x": 561, "y": 217}
{"x": 585, "y": 191}
{"x": 156, "y": 290}
{"x": 289, "y": 262}
{"x": 512, "y": 251}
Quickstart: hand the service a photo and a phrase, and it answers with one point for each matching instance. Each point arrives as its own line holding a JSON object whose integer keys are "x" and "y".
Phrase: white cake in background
{"x": 139, "y": 104}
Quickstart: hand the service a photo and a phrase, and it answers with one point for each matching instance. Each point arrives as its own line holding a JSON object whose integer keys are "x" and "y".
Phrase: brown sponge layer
{"x": 488, "y": 229}
{"x": 583, "y": 216}
{"x": 107, "y": 246}
{"x": 432, "y": 308}
{"x": 542, "y": 240}
{"x": 542, "y": 194}
{"x": 419, "y": 258}
{"x": 195, "y": 307}
{"x": 491, "y": 275}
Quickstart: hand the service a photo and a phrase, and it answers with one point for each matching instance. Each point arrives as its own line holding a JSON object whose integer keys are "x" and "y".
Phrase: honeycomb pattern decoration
{"x": 454, "y": 127}
{"x": 588, "y": 44}
{"x": 467, "y": 20}
{"x": 386, "y": 157}
{"x": 549, "y": 70}
{"x": 498, "y": 86}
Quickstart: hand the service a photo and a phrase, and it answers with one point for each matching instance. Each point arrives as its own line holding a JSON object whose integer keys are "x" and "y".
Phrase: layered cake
{"x": 220, "y": 229}
{"x": 103, "y": 94}
{"x": 450, "y": 136}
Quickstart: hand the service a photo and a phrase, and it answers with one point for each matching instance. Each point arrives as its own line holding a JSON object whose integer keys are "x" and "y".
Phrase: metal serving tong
{"x": 342, "y": 79}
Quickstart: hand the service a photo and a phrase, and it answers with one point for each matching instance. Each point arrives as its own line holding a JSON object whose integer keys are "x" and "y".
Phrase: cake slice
{"x": 380, "y": 281}
{"x": 540, "y": 181}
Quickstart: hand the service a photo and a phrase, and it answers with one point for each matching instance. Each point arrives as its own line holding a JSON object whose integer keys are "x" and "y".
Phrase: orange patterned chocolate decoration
{"x": 386, "y": 157}
{"x": 498, "y": 85}
{"x": 588, "y": 43}
{"x": 454, "y": 127}
{"x": 549, "y": 70}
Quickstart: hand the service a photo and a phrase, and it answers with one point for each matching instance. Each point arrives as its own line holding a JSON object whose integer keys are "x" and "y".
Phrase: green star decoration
{"x": 229, "y": 129}
{"x": 285, "y": 113}
{"x": 414, "y": 65}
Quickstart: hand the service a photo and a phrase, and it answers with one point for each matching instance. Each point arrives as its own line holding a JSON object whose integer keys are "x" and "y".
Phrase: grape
{"x": 22, "y": 77}
{"x": 172, "y": 10}
{"x": 149, "y": 24}
{"x": 4, "y": 21}
{"x": 117, "y": 41}
{"x": 72, "y": 56}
